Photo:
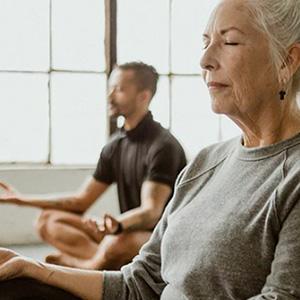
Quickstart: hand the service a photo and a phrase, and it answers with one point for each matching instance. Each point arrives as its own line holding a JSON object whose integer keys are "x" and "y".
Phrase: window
{"x": 168, "y": 34}
{"x": 52, "y": 81}
{"x": 53, "y": 74}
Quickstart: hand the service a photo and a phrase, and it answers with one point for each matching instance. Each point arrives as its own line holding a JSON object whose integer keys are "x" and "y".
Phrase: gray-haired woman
{"x": 232, "y": 230}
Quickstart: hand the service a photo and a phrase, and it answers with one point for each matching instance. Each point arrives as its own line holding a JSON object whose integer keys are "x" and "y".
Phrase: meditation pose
{"x": 142, "y": 158}
{"x": 232, "y": 228}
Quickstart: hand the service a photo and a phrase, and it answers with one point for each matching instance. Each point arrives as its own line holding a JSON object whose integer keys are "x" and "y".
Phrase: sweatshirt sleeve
{"x": 283, "y": 283}
{"x": 142, "y": 278}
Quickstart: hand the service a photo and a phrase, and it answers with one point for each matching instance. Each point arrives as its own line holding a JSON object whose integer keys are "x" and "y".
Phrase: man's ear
{"x": 145, "y": 95}
{"x": 292, "y": 63}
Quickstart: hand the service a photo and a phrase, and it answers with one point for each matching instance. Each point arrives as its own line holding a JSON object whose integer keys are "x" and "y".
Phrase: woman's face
{"x": 236, "y": 63}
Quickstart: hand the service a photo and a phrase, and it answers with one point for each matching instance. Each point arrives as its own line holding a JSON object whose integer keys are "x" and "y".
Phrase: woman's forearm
{"x": 85, "y": 284}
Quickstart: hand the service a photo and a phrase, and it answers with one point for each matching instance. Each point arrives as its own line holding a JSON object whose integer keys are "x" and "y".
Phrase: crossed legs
{"x": 77, "y": 248}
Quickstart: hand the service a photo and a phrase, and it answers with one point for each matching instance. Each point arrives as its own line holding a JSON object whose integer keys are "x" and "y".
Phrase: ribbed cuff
{"x": 113, "y": 286}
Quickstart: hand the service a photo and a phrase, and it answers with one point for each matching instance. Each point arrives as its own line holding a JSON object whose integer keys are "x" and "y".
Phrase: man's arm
{"x": 77, "y": 203}
{"x": 81, "y": 283}
{"x": 154, "y": 197}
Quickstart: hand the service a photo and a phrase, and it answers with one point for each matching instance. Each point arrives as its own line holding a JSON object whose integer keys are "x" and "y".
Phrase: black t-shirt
{"x": 147, "y": 152}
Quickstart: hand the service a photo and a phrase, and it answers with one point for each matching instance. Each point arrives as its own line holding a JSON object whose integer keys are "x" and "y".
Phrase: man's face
{"x": 123, "y": 93}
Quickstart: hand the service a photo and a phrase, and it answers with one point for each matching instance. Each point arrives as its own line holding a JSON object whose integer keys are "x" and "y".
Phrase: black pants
{"x": 29, "y": 289}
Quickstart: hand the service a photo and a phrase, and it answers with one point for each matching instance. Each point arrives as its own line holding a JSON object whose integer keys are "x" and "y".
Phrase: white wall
{"x": 16, "y": 223}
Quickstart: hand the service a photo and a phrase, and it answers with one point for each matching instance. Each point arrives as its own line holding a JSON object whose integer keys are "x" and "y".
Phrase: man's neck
{"x": 132, "y": 121}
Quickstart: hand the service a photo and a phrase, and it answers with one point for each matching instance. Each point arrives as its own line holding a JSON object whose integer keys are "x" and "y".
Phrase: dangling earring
{"x": 282, "y": 95}
{"x": 282, "y": 92}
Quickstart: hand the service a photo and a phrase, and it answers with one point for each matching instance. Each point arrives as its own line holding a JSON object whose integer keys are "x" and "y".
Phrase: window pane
{"x": 143, "y": 32}
{"x": 24, "y": 35}
{"x": 78, "y": 110}
{"x": 78, "y": 35}
{"x": 229, "y": 129}
{"x": 193, "y": 121}
{"x": 189, "y": 19}
{"x": 160, "y": 104}
{"x": 24, "y": 117}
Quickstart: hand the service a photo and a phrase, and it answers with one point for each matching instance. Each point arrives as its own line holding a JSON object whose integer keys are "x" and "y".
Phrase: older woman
{"x": 232, "y": 230}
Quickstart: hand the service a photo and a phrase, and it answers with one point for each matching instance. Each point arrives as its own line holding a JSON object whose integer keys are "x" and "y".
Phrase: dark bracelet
{"x": 119, "y": 229}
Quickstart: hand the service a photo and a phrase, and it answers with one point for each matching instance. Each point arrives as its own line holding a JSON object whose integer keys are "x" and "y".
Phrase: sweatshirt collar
{"x": 257, "y": 153}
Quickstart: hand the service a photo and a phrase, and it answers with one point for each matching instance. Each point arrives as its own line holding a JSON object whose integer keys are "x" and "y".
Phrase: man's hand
{"x": 10, "y": 195}
{"x": 98, "y": 229}
{"x": 110, "y": 225}
{"x": 11, "y": 264}
{"x": 93, "y": 230}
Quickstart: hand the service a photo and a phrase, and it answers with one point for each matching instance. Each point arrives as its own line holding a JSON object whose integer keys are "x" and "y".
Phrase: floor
{"x": 37, "y": 251}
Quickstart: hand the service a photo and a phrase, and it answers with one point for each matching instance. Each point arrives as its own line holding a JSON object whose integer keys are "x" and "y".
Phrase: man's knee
{"x": 42, "y": 222}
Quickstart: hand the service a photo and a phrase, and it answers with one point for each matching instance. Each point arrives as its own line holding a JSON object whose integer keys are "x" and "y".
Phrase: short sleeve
{"x": 165, "y": 164}
{"x": 104, "y": 169}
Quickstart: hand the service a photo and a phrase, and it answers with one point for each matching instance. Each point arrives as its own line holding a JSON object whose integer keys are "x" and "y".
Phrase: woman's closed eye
{"x": 231, "y": 44}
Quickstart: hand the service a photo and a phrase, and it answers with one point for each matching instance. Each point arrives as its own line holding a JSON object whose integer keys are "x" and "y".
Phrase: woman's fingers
{"x": 12, "y": 268}
{"x": 6, "y": 254}
{"x": 11, "y": 264}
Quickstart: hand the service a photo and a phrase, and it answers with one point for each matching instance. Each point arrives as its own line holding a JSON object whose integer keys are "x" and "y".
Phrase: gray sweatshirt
{"x": 231, "y": 231}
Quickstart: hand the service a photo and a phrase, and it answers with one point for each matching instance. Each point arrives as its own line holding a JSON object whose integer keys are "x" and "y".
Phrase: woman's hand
{"x": 12, "y": 265}
{"x": 85, "y": 284}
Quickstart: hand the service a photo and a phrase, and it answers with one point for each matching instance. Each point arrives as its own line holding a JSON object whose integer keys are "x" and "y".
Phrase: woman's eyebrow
{"x": 225, "y": 30}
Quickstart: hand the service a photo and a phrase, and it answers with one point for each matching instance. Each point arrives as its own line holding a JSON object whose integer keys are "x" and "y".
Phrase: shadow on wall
{"x": 16, "y": 223}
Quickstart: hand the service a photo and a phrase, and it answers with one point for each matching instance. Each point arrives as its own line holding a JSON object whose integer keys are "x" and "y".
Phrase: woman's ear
{"x": 292, "y": 64}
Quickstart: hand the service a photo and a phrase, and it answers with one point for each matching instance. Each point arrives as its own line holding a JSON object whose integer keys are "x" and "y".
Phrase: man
{"x": 143, "y": 159}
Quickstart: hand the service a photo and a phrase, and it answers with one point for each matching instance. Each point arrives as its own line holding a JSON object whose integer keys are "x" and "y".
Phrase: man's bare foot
{"x": 69, "y": 261}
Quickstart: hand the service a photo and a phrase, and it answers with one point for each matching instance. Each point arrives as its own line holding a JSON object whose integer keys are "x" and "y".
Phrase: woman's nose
{"x": 208, "y": 61}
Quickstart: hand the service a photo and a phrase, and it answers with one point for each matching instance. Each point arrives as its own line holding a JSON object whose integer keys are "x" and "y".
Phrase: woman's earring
{"x": 282, "y": 94}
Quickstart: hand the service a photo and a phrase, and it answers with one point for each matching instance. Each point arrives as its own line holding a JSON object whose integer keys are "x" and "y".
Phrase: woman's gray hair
{"x": 280, "y": 20}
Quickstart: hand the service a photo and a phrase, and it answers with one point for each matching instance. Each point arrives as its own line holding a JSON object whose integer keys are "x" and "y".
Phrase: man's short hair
{"x": 145, "y": 75}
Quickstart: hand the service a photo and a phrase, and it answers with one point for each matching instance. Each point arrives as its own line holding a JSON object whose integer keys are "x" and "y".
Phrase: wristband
{"x": 119, "y": 229}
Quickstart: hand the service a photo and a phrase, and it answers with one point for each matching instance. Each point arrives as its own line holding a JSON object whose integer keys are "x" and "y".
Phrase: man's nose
{"x": 110, "y": 94}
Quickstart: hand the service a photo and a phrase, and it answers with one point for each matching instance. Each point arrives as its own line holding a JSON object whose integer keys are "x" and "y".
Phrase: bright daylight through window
{"x": 53, "y": 75}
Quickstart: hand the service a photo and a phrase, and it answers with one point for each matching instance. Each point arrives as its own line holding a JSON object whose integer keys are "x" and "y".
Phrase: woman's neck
{"x": 270, "y": 127}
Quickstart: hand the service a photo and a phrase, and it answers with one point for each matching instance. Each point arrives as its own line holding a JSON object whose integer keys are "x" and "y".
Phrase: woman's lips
{"x": 216, "y": 85}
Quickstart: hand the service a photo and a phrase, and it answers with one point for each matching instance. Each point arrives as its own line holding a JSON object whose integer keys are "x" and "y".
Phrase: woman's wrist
{"x": 36, "y": 270}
